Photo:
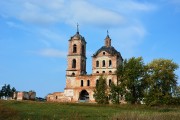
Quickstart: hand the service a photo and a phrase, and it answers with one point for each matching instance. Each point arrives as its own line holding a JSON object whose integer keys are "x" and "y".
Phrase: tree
{"x": 100, "y": 92}
{"x": 115, "y": 92}
{"x": 3, "y": 91}
{"x": 1, "y": 94}
{"x": 177, "y": 92}
{"x": 131, "y": 78}
{"x": 162, "y": 81}
{"x": 6, "y": 91}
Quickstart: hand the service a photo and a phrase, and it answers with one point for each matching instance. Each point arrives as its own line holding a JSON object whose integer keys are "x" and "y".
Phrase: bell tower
{"x": 76, "y": 59}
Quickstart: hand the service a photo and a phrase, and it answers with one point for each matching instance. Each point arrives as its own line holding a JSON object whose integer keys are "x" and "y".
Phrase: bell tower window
{"x": 97, "y": 63}
{"x": 103, "y": 63}
{"x": 110, "y": 63}
{"x": 74, "y": 48}
{"x": 73, "y": 74}
{"x": 83, "y": 50}
{"x": 73, "y": 63}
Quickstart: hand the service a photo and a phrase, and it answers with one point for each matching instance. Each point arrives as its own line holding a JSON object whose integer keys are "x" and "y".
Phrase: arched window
{"x": 73, "y": 74}
{"x": 82, "y": 65}
{"x": 83, "y": 50}
{"x": 74, "y": 48}
{"x": 103, "y": 71}
{"x": 110, "y": 72}
{"x": 97, "y": 82}
{"x": 81, "y": 83}
{"x": 88, "y": 82}
{"x": 97, "y": 71}
{"x": 104, "y": 53}
{"x": 110, "y": 82}
{"x": 103, "y": 63}
{"x": 110, "y": 63}
{"x": 97, "y": 63}
{"x": 74, "y": 63}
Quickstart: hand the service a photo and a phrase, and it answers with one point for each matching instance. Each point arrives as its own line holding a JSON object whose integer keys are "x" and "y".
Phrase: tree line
{"x": 154, "y": 83}
{"x": 6, "y": 91}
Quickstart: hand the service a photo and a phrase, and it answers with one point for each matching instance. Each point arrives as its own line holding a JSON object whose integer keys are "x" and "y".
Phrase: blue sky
{"x": 34, "y": 36}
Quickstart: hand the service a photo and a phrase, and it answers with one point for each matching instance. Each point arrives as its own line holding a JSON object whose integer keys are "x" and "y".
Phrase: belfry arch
{"x": 83, "y": 96}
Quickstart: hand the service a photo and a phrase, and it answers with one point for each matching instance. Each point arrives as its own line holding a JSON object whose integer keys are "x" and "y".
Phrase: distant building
{"x": 31, "y": 95}
{"x": 58, "y": 97}
{"x": 80, "y": 86}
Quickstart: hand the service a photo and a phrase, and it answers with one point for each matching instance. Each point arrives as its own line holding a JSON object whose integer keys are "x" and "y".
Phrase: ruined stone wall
{"x": 79, "y": 83}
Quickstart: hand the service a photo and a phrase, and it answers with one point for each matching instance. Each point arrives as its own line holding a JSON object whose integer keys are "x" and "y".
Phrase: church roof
{"x": 111, "y": 50}
{"x": 78, "y": 37}
{"x": 108, "y": 48}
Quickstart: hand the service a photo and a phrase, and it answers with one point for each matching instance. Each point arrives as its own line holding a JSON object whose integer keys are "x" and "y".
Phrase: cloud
{"x": 128, "y": 38}
{"x": 15, "y": 25}
{"x": 50, "y": 52}
{"x": 91, "y": 14}
{"x": 49, "y": 34}
{"x": 121, "y": 16}
{"x": 48, "y": 12}
{"x": 133, "y": 6}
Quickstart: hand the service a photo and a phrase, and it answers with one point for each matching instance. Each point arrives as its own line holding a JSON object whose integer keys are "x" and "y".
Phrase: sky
{"x": 34, "y": 36}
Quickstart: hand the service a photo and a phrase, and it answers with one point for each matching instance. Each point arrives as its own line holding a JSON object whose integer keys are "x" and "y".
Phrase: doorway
{"x": 83, "y": 96}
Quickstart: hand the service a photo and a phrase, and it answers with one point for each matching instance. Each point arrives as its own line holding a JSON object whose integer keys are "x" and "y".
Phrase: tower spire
{"x": 107, "y": 33}
{"x": 77, "y": 28}
{"x": 107, "y": 40}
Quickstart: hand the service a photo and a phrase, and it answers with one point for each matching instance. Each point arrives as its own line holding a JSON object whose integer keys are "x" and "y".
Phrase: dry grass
{"x": 8, "y": 113}
{"x": 146, "y": 116}
{"x": 28, "y": 110}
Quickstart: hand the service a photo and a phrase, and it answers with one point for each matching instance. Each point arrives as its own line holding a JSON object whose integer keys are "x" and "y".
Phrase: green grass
{"x": 27, "y": 110}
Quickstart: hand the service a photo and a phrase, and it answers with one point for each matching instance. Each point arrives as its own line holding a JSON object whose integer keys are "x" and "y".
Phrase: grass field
{"x": 27, "y": 110}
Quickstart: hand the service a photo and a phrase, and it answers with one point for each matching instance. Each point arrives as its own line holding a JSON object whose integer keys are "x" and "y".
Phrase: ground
{"x": 28, "y": 110}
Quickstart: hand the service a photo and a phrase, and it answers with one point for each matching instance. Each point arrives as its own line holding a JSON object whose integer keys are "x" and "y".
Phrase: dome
{"x": 77, "y": 36}
{"x": 111, "y": 50}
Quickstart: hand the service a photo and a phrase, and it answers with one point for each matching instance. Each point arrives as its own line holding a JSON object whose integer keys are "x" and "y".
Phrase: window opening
{"x": 88, "y": 82}
{"x": 83, "y": 50}
{"x": 97, "y": 63}
{"x": 110, "y": 82}
{"x": 73, "y": 63}
{"x": 74, "y": 48}
{"x": 110, "y": 63}
{"x": 81, "y": 83}
{"x": 103, "y": 63}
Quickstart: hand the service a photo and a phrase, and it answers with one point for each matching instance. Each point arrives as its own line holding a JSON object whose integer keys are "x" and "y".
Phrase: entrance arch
{"x": 83, "y": 96}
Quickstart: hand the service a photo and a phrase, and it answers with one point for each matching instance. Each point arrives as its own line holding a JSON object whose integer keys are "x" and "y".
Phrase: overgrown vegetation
{"x": 132, "y": 80}
{"x": 153, "y": 84}
{"x": 101, "y": 93}
{"x": 6, "y": 91}
{"x": 31, "y": 110}
{"x": 161, "y": 82}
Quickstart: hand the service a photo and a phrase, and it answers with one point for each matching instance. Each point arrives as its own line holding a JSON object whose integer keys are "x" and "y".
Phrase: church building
{"x": 80, "y": 85}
